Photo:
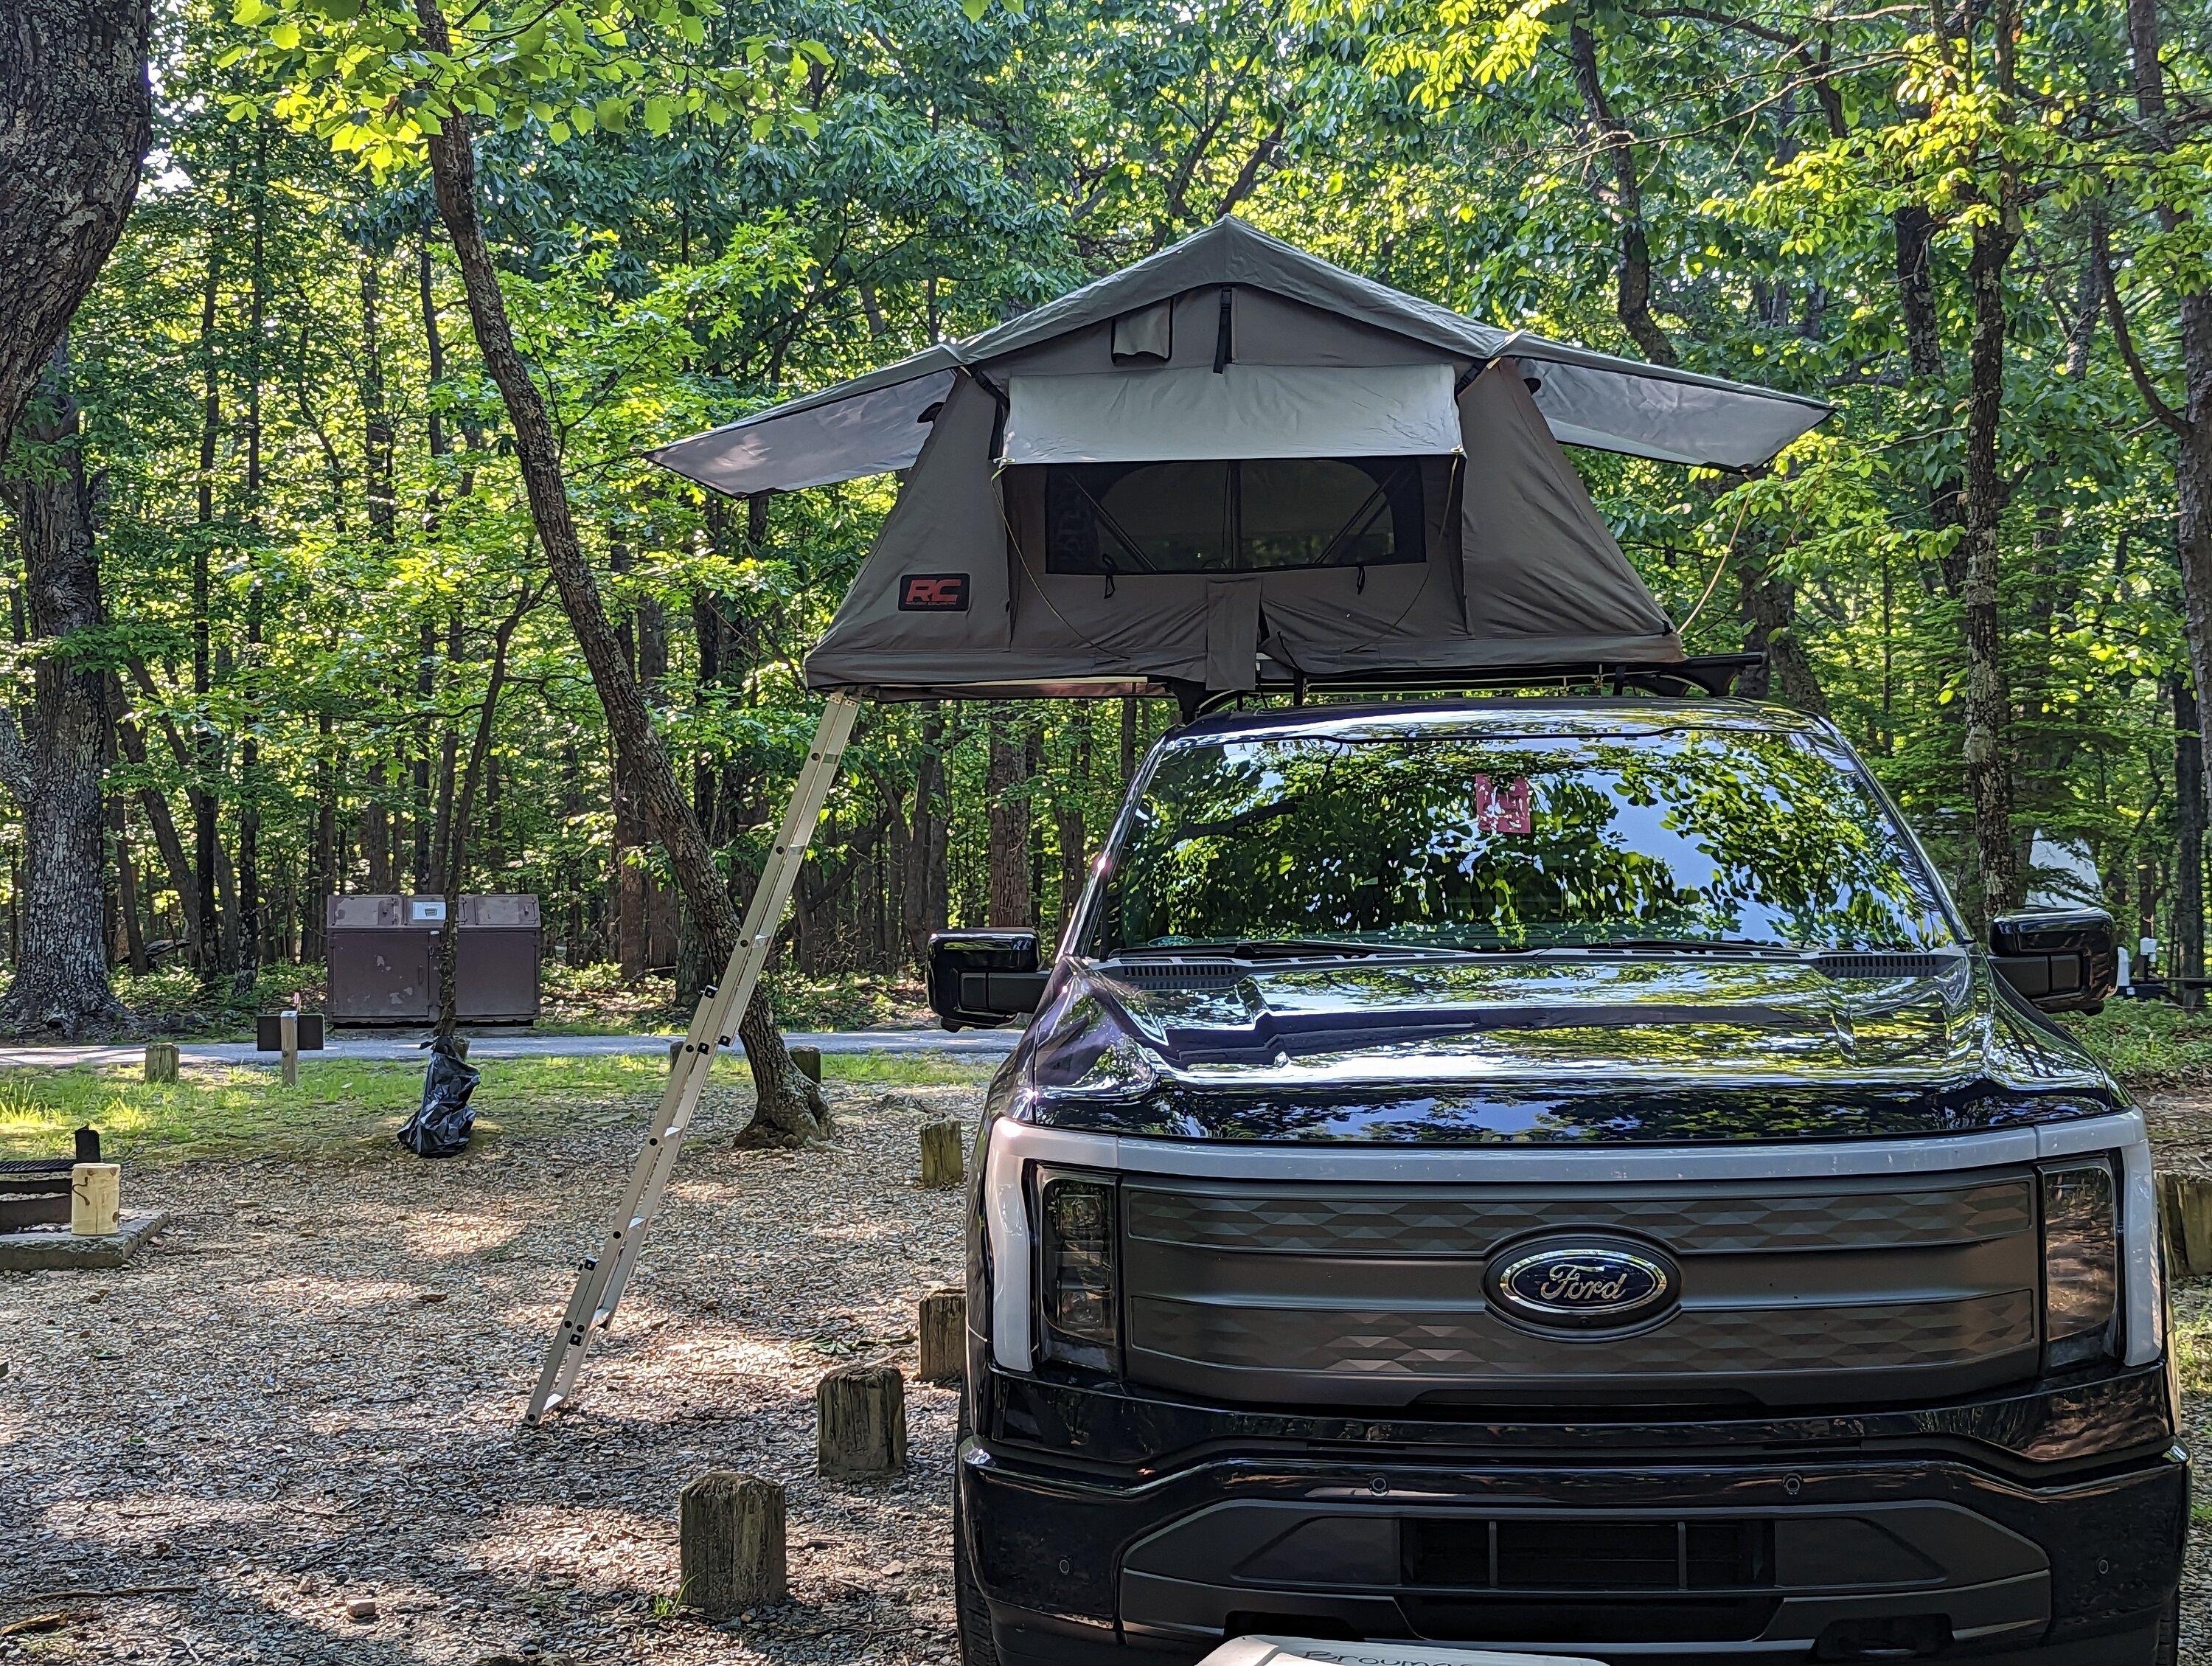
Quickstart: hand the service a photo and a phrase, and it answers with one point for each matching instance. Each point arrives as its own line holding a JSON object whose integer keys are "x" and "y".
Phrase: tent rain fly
{"x": 1231, "y": 466}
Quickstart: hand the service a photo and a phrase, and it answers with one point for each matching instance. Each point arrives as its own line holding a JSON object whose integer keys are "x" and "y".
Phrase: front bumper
{"x": 1960, "y": 1532}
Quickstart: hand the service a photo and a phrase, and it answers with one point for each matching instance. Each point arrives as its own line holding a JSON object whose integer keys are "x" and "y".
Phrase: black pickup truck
{"x": 1556, "y": 1176}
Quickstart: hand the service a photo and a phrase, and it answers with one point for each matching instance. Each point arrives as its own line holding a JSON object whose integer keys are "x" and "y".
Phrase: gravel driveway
{"x": 308, "y": 1394}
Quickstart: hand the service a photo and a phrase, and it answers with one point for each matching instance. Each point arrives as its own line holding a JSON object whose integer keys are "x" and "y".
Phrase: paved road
{"x": 983, "y": 1045}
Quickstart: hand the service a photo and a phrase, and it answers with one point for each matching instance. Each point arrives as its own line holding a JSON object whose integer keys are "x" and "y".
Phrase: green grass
{"x": 2150, "y": 1045}
{"x": 341, "y": 1107}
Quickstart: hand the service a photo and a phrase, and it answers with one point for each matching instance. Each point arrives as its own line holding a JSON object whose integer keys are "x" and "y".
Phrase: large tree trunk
{"x": 1006, "y": 789}
{"x": 786, "y": 1102}
{"x": 1988, "y": 705}
{"x": 2192, "y": 423}
{"x": 2189, "y": 815}
{"x": 75, "y": 118}
{"x": 1616, "y": 144}
{"x": 54, "y": 759}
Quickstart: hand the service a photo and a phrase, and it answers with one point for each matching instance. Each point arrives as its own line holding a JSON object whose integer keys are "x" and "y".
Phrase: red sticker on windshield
{"x": 1501, "y": 806}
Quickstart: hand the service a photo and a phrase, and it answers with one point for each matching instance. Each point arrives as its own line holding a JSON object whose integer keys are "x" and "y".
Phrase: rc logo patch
{"x": 933, "y": 593}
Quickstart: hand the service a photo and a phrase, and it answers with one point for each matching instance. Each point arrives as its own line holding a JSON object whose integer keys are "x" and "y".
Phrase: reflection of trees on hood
{"x": 1751, "y": 836}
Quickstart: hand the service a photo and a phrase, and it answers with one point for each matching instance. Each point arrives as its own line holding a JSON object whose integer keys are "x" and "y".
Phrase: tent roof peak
{"x": 875, "y": 423}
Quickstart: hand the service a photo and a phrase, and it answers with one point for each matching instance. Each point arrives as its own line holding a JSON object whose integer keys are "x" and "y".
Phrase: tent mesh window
{"x": 1250, "y": 516}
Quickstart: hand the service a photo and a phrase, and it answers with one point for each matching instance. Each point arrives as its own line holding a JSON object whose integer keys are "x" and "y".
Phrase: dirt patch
{"x": 307, "y": 1399}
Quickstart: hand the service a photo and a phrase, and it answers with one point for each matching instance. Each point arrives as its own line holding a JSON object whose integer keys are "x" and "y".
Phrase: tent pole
{"x": 600, "y": 1282}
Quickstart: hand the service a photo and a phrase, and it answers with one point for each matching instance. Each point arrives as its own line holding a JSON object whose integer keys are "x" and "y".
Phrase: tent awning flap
{"x": 1660, "y": 417}
{"x": 816, "y": 442}
{"x": 1247, "y": 410}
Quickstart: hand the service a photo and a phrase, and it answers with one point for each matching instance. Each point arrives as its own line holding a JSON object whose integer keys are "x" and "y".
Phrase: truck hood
{"x": 1583, "y": 1050}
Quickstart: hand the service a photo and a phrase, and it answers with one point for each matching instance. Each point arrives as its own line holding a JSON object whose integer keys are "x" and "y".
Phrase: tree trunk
{"x": 922, "y": 898}
{"x": 1988, "y": 760}
{"x": 1068, "y": 822}
{"x": 2188, "y": 807}
{"x": 2192, "y": 423}
{"x": 126, "y": 889}
{"x": 785, "y": 1101}
{"x": 1769, "y": 617}
{"x": 54, "y": 758}
{"x": 1006, "y": 789}
{"x": 206, "y": 936}
{"x": 75, "y": 118}
{"x": 1616, "y": 144}
{"x": 453, "y": 848}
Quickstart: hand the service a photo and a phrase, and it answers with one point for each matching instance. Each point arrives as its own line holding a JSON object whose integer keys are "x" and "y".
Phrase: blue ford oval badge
{"x": 1583, "y": 1283}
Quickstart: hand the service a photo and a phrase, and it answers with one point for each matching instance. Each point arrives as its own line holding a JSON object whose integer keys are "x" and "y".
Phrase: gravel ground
{"x": 307, "y": 1395}
{"x": 316, "y": 1379}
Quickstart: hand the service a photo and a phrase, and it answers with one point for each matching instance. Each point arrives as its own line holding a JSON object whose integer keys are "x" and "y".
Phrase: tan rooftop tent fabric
{"x": 1231, "y": 466}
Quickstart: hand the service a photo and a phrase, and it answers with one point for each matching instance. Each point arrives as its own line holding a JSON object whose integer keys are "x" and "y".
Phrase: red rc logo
{"x": 933, "y": 593}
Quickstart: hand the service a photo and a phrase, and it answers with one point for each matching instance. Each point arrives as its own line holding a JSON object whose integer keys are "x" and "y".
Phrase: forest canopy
{"x": 337, "y": 637}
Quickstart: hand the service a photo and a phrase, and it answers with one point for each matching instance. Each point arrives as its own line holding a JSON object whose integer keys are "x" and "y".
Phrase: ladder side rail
{"x": 603, "y": 1277}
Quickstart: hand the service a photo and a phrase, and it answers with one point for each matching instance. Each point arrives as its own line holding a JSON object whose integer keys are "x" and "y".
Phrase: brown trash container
{"x": 383, "y": 958}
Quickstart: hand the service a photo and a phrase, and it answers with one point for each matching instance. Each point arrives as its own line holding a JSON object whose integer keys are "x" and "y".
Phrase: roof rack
{"x": 1710, "y": 674}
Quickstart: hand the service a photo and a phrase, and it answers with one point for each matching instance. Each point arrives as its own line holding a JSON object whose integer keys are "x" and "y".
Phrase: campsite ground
{"x": 307, "y": 1394}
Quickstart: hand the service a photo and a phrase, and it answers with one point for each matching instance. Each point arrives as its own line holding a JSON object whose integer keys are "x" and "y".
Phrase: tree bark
{"x": 2189, "y": 815}
{"x": 75, "y": 118}
{"x": 786, "y": 1102}
{"x": 922, "y": 898}
{"x": 1988, "y": 760}
{"x": 453, "y": 850}
{"x": 1006, "y": 788}
{"x": 2191, "y": 423}
{"x": 205, "y": 936}
{"x": 54, "y": 758}
{"x": 1616, "y": 144}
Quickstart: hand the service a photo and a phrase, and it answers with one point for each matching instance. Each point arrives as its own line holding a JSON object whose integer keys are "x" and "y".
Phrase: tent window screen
{"x": 1247, "y": 516}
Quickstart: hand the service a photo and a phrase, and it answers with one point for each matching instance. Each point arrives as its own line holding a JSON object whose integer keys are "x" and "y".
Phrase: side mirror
{"x": 980, "y": 980}
{"x": 2067, "y": 960}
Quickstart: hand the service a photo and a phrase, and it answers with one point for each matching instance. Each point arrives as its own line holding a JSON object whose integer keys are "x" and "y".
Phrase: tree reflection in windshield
{"x": 1704, "y": 836}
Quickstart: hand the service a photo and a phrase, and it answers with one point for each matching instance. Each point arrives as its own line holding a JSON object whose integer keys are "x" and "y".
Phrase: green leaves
{"x": 361, "y": 74}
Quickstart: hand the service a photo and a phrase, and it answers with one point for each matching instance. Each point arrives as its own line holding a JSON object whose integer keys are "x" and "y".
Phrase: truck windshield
{"x": 1685, "y": 839}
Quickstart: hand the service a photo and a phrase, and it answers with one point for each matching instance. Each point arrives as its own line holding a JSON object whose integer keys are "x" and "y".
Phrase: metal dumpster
{"x": 383, "y": 958}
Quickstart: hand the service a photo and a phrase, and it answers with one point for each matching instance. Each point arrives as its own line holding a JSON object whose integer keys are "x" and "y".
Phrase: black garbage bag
{"x": 441, "y": 1127}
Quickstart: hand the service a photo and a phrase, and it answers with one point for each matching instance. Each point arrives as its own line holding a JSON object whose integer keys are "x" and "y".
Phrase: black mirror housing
{"x": 2064, "y": 960}
{"x": 980, "y": 980}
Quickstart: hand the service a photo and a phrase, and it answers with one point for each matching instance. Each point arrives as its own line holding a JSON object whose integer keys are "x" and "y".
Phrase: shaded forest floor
{"x": 308, "y": 1395}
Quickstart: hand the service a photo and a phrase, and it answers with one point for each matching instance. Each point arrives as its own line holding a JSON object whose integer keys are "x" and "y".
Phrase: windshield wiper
{"x": 1690, "y": 946}
{"x": 1295, "y": 948}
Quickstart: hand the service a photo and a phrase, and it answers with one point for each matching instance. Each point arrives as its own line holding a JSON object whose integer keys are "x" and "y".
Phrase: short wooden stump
{"x": 940, "y": 1155}
{"x": 731, "y": 1544}
{"x": 941, "y": 1334}
{"x": 860, "y": 1423}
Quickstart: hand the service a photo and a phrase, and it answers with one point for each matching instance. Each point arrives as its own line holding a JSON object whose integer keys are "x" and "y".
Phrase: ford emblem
{"x": 1583, "y": 1283}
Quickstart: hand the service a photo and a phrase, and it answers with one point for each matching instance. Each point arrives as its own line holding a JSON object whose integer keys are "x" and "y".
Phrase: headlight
{"x": 1078, "y": 1297}
{"x": 2080, "y": 1264}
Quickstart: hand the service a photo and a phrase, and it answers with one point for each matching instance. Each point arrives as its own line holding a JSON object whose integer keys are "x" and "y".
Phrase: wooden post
{"x": 2185, "y": 1208}
{"x": 161, "y": 1062}
{"x": 941, "y": 1331}
{"x": 95, "y": 1199}
{"x": 732, "y": 1547}
{"x": 675, "y": 1051}
{"x": 288, "y": 1034}
{"x": 860, "y": 1422}
{"x": 940, "y": 1154}
{"x": 809, "y": 1061}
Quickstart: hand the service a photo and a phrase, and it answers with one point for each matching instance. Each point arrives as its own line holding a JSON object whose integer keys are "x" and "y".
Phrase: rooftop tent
{"x": 1233, "y": 465}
